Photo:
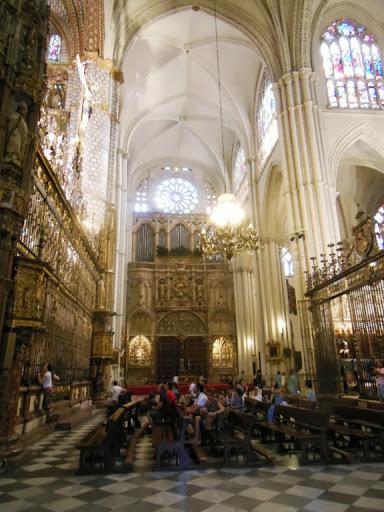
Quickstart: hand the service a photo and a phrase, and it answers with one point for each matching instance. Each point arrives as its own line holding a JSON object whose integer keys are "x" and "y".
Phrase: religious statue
{"x": 101, "y": 294}
{"x": 86, "y": 107}
{"x": 17, "y": 135}
{"x": 199, "y": 289}
{"x": 162, "y": 289}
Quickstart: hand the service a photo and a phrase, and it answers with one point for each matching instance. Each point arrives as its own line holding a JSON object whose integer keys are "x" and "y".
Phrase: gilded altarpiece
{"x": 180, "y": 304}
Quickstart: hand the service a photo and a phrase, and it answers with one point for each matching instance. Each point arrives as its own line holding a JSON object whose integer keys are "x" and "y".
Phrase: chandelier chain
{"x": 219, "y": 87}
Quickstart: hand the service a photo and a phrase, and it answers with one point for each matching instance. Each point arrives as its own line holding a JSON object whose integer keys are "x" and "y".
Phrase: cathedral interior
{"x": 190, "y": 189}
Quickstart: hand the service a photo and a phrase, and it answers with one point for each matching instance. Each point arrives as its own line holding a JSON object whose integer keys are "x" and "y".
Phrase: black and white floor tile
{"x": 47, "y": 482}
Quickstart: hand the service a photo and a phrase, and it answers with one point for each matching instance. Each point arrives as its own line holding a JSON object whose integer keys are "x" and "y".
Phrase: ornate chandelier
{"x": 231, "y": 233}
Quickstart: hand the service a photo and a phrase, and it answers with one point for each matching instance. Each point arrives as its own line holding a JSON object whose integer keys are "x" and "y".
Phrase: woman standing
{"x": 46, "y": 377}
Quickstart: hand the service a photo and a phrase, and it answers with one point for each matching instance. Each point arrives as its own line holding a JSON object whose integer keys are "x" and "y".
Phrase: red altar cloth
{"x": 146, "y": 389}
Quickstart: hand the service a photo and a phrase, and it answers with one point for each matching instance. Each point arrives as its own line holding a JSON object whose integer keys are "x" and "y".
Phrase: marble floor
{"x": 48, "y": 482}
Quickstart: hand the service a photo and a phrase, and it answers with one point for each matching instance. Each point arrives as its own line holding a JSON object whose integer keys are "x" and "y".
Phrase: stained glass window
{"x": 352, "y": 66}
{"x": 239, "y": 171}
{"x": 176, "y": 195}
{"x": 267, "y": 122}
{"x": 379, "y": 227}
{"x": 141, "y": 203}
{"x": 287, "y": 260}
{"x": 54, "y": 48}
{"x": 211, "y": 198}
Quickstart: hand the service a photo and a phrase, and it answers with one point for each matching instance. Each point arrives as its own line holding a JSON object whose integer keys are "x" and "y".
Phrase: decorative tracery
{"x": 176, "y": 195}
{"x": 267, "y": 122}
{"x": 352, "y": 66}
{"x": 239, "y": 171}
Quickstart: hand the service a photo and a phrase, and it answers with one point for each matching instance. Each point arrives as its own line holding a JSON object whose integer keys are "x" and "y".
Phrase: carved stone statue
{"x": 199, "y": 289}
{"x": 101, "y": 294}
{"x": 162, "y": 289}
{"x": 17, "y": 136}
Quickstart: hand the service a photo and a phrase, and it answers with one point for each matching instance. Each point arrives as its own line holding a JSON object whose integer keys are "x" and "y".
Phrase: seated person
{"x": 236, "y": 401}
{"x": 175, "y": 389}
{"x": 194, "y": 412}
{"x": 258, "y": 394}
{"x": 309, "y": 392}
{"x": 160, "y": 410}
{"x": 189, "y": 398}
{"x": 170, "y": 394}
{"x": 212, "y": 411}
{"x": 278, "y": 397}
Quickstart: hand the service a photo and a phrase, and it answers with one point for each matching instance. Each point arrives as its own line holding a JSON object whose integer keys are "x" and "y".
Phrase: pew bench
{"x": 236, "y": 439}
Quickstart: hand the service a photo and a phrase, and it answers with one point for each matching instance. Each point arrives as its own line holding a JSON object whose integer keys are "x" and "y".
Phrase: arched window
{"x": 379, "y": 227}
{"x": 141, "y": 204}
{"x": 286, "y": 258}
{"x": 54, "y": 48}
{"x": 211, "y": 198}
{"x": 352, "y": 66}
{"x": 239, "y": 171}
{"x": 267, "y": 122}
{"x": 176, "y": 195}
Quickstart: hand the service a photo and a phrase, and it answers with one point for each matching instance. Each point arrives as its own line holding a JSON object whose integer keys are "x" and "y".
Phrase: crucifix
{"x": 85, "y": 101}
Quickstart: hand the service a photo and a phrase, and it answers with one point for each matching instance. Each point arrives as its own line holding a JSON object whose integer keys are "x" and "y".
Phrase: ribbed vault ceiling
{"x": 169, "y": 102}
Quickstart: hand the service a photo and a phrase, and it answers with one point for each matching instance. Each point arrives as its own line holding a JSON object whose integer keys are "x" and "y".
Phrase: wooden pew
{"x": 354, "y": 426}
{"x": 100, "y": 451}
{"x": 236, "y": 439}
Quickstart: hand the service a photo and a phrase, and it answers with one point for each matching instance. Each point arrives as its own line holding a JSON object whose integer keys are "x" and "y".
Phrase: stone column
{"x": 309, "y": 199}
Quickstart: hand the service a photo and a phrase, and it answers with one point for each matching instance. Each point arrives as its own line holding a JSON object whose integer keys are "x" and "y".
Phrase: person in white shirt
{"x": 200, "y": 401}
{"x": 46, "y": 378}
{"x": 195, "y": 411}
{"x": 116, "y": 390}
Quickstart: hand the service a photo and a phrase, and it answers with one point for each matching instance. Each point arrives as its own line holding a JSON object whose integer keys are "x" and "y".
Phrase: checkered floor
{"x": 48, "y": 482}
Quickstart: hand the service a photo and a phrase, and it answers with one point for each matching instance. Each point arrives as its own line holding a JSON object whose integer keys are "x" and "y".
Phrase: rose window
{"x": 176, "y": 195}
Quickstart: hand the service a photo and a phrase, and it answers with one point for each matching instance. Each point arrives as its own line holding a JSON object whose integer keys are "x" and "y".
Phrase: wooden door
{"x": 196, "y": 356}
{"x": 167, "y": 358}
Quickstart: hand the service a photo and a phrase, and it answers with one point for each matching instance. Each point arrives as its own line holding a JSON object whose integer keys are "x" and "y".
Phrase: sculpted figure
{"x": 17, "y": 135}
{"x": 101, "y": 294}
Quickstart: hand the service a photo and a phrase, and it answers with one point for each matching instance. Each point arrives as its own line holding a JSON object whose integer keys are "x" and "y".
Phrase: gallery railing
{"x": 56, "y": 282}
{"x": 346, "y": 294}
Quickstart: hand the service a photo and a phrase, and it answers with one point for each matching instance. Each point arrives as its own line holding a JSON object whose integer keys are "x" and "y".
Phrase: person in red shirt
{"x": 170, "y": 394}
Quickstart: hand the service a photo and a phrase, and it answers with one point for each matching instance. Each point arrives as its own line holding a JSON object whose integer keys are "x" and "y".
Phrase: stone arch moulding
{"x": 183, "y": 323}
{"x": 228, "y": 11}
{"x": 362, "y": 131}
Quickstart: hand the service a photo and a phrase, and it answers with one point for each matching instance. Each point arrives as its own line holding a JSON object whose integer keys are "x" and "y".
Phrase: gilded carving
{"x": 139, "y": 352}
{"x": 181, "y": 322}
{"x": 222, "y": 353}
{"x": 17, "y": 136}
